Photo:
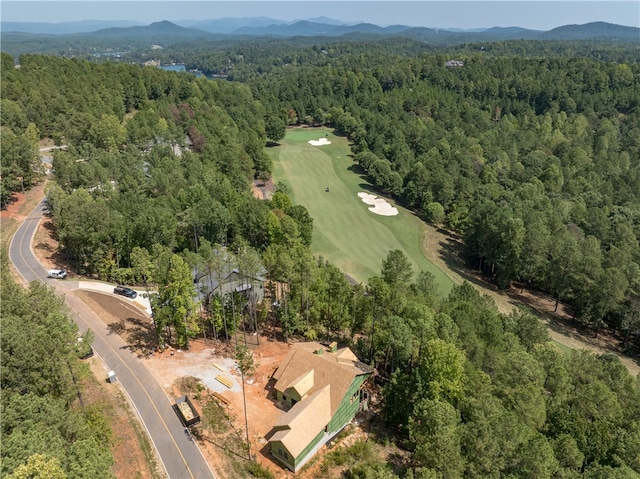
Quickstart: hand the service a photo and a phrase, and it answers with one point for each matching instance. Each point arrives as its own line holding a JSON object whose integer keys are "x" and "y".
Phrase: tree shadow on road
{"x": 117, "y": 327}
{"x": 141, "y": 336}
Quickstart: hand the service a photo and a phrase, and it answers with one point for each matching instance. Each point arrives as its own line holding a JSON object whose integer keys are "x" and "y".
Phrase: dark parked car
{"x": 124, "y": 291}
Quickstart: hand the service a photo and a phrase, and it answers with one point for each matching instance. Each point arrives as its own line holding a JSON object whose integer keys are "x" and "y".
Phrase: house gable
{"x": 323, "y": 388}
{"x": 298, "y": 426}
{"x": 301, "y": 386}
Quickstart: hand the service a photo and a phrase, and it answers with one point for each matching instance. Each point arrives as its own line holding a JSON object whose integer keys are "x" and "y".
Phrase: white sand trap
{"x": 379, "y": 206}
{"x": 319, "y": 142}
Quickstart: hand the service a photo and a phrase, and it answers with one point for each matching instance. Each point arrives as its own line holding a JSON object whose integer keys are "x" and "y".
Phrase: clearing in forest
{"x": 346, "y": 231}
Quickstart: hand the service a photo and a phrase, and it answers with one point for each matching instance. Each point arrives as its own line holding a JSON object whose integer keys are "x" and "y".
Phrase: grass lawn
{"x": 345, "y": 232}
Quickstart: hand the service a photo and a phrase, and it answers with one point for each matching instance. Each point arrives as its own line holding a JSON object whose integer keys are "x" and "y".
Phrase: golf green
{"x": 345, "y": 231}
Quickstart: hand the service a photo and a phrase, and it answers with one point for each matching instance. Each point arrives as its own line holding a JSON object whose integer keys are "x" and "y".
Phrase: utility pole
{"x": 246, "y": 422}
{"x": 241, "y": 366}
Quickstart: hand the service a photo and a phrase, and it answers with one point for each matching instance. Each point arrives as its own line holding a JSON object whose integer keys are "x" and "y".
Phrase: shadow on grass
{"x": 358, "y": 170}
{"x": 117, "y": 327}
{"x": 563, "y": 324}
{"x": 451, "y": 252}
{"x": 141, "y": 336}
{"x": 368, "y": 188}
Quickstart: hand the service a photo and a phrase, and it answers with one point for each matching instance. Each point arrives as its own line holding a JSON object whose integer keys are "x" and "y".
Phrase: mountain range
{"x": 16, "y": 36}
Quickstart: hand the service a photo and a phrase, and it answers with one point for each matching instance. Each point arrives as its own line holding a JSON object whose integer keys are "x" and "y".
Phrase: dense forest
{"x": 528, "y": 150}
{"x": 533, "y": 161}
{"x": 47, "y": 430}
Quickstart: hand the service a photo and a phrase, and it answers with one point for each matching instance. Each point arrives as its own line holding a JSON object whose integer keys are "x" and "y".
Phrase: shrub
{"x": 259, "y": 471}
{"x": 190, "y": 384}
{"x": 123, "y": 276}
{"x": 434, "y": 213}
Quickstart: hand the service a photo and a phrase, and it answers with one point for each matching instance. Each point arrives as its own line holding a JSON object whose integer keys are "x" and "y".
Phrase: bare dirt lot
{"x": 262, "y": 189}
{"x": 206, "y": 360}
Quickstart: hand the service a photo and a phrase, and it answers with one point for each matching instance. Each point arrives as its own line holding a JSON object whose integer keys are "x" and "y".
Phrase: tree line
{"x": 47, "y": 429}
{"x": 157, "y": 165}
{"x": 475, "y": 393}
{"x": 532, "y": 161}
{"x": 157, "y": 184}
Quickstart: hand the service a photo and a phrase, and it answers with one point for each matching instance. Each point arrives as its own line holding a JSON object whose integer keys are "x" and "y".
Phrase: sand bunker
{"x": 379, "y": 206}
{"x": 319, "y": 142}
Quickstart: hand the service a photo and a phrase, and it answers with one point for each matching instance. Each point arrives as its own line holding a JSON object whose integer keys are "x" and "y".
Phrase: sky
{"x": 533, "y": 14}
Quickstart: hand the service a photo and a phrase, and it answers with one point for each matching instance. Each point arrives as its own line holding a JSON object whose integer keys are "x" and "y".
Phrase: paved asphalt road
{"x": 179, "y": 454}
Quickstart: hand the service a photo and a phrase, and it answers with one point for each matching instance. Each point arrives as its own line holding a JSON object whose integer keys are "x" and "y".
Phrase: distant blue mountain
{"x": 594, "y": 30}
{"x": 220, "y": 25}
{"x": 327, "y": 21}
{"x": 84, "y": 26}
{"x": 162, "y": 33}
{"x": 164, "y": 27}
{"x": 229, "y": 25}
{"x": 17, "y": 38}
{"x": 307, "y": 28}
{"x": 299, "y": 28}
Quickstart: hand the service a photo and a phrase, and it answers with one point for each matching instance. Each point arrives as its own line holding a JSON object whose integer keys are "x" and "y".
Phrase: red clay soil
{"x": 261, "y": 411}
{"x": 262, "y": 189}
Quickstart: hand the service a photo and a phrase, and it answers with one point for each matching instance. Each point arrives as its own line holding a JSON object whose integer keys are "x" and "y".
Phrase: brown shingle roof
{"x": 303, "y": 384}
{"x": 304, "y": 421}
{"x": 337, "y": 370}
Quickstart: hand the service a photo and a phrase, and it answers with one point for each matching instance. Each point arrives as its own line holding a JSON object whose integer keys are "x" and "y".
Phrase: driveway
{"x": 141, "y": 301}
{"x": 177, "y": 450}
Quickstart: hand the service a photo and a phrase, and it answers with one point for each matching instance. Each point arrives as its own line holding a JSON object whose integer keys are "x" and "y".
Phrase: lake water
{"x": 179, "y": 67}
{"x": 174, "y": 68}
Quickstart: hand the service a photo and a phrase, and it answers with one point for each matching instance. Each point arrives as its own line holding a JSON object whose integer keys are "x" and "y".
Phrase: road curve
{"x": 175, "y": 446}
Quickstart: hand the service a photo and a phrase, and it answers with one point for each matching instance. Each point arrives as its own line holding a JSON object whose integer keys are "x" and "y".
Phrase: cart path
{"x": 442, "y": 250}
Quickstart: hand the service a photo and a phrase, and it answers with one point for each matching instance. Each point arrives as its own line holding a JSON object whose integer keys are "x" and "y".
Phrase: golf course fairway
{"x": 345, "y": 231}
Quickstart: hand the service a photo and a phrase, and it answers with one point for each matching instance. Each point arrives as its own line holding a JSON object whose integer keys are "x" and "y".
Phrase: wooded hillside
{"x": 534, "y": 162}
{"x": 47, "y": 431}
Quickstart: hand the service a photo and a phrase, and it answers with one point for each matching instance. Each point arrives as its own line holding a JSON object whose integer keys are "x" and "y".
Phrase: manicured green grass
{"x": 345, "y": 232}
{"x": 305, "y": 134}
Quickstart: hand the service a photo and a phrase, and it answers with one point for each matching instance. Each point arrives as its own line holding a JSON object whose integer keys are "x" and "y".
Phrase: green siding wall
{"x": 277, "y": 448}
{"x": 309, "y": 447}
{"x": 280, "y": 397}
{"x": 347, "y": 409}
{"x": 344, "y": 414}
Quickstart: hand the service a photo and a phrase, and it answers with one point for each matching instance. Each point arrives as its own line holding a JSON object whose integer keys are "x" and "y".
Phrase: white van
{"x": 56, "y": 273}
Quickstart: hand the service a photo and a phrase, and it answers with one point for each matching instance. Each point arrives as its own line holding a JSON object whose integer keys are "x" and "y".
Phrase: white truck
{"x": 57, "y": 273}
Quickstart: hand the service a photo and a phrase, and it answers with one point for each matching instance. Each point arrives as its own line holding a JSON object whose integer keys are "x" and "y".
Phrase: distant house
{"x": 233, "y": 281}
{"x": 322, "y": 387}
{"x": 176, "y": 147}
{"x": 454, "y": 64}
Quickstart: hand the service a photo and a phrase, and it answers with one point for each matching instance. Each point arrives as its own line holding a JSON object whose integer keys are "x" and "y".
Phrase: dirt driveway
{"x": 205, "y": 361}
